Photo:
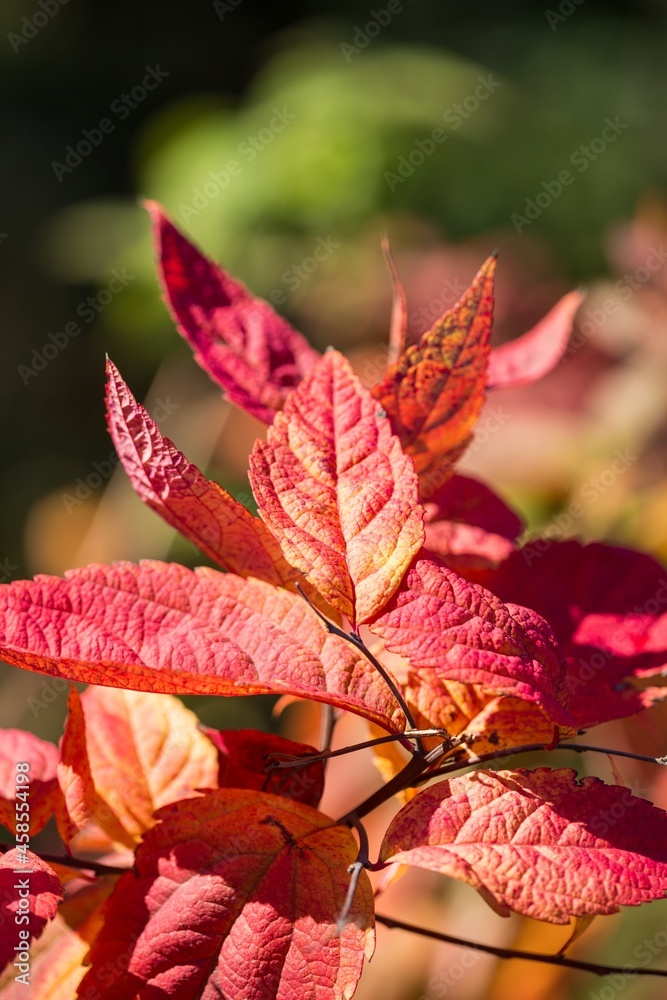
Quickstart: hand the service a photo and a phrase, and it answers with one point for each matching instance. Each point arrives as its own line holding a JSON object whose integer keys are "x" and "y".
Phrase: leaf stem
{"x": 289, "y": 760}
{"x": 69, "y": 862}
{"x": 529, "y": 956}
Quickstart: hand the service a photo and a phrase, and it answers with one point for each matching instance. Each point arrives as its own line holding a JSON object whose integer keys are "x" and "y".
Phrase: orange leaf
{"x": 434, "y": 393}
{"x": 74, "y": 777}
{"x": 335, "y": 488}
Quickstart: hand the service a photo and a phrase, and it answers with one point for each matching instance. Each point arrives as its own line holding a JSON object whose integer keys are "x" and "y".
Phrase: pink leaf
{"x": 254, "y": 354}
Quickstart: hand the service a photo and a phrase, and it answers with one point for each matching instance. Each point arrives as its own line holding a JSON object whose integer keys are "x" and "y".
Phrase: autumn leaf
{"x": 202, "y": 511}
{"x": 74, "y": 775}
{"x": 451, "y": 629}
{"x": 29, "y": 895}
{"x": 469, "y": 526}
{"x": 245, "y": 756}
{"x": 43, "y": 797}
{"x": 145, "y": 751}
{"x": 254, "y": 354}
{"x": 334, "y": 487}
{"x": 161, "y": 627}
{"x": 530, "y": 357}
{"x": 236, "y": 894}
{"x": 608, "y": 608}
{"x": 434, "y": 393}
{"x": 538, "y": 842}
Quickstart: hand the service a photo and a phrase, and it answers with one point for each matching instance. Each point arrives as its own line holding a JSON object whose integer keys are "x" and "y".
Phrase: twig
{"x": 58, "y": 859}
{"x": 289, "y": 760}
{"x": 528, "y": 956}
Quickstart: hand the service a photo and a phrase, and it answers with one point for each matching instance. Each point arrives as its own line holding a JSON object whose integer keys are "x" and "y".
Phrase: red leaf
{"x": 530, "y": 357}
{"x": 434, "y": 393}
{"x": 244, "y": 758}
{"x": 17, "y": 747}
{"x": 74, "y": 776}
{"x": 336, "y": 490}
{"x": 468, "y": 526}
{"x": 239, "y": 340}
{"x": 608, "y": 608}
{"x": 236, "y": 895}
{"x": 538, "y": 842}
{"x": 29, "y": 894}
{"x": 161, "y": 627}
{"x": 462, "y": 632}
{"x": 201, "y": 510}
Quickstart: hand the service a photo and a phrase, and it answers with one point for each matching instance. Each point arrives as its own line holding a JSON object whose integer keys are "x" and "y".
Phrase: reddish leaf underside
{"x": 468, "y": 525}
{"x": 608, "y": 608}
{"x": 18, "y": 747}
{"x": 29, "y": 895}
{"x": 236, "y": 895}
{"x": 454, "y": 630}
{"x": 434, "y": 393}
{"x": 538, "y": 842}
{"x": 530, "y": 357}
{"x": 244, "y": 760}
{"x": 202, "y": 511}
{"x": 247, "y": 348}
{"x": 337, "y": 491}
{"x": 161, "y": 627}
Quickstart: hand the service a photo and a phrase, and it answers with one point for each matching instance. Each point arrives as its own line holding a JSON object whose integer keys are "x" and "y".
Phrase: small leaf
{"x": 18, "y": 747}
{"x": 245, "y": 756}
{"x": 434, "y": 393}
{"x": 538, "y": 842}
{"x": 460, "y": 631}
{"x": 530, "y": 357}
{"x": 161, "y": 627}
{"x": 74, "y": 775}
{"x": 29, "y": 895}
{"x": 334, "y": 487}
{"x": 236, "y": 895}
{"x": 254, "y": 354}
{"x": 170, "y": 485}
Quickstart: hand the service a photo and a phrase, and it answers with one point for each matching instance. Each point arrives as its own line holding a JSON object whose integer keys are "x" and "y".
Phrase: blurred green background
{"x": 270, "y": 130}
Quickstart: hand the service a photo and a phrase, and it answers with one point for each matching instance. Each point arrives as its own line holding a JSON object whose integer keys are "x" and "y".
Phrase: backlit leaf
{"x": 74, "y": 775}
{"x": 247, "y": 348}
{"x": 29, "y": 895}
{"x": 538, "y": 842}
{"x": 200, "y": 509}
{"x": 236, "y": 895}
{"x": 161, "y": 627}
{"x": 18, "y": 747}
{"x": 335, "y": 488}
{"x": 460, "y": 631}
{"x": 434, "y": 393}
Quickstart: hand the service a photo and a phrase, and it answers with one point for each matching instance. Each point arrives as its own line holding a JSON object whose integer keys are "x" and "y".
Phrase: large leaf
{"x": 539, "y": 842}
{"x": 161, "y": 627}
{"x": 335, "y": 488}
{"x": 236, "y": 895}
{"x": 200, "y": 509}
{"x": 460, "y": 631}
{"x": 38, "y": 761}
{"x": 29, "y": 895}
{"x": 254, "y": 354}
{"x": 434, "y": 393}
{"x": 533, "y": 355}
{"x": 608, "y": 608}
